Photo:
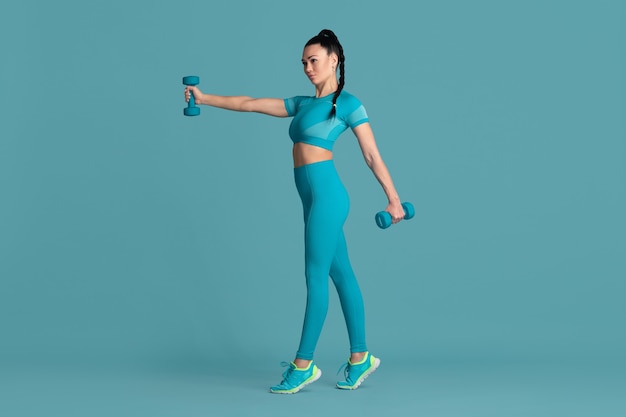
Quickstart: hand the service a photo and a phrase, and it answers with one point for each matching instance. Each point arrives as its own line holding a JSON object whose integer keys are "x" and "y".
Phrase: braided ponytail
{"x": 328, "y": 40}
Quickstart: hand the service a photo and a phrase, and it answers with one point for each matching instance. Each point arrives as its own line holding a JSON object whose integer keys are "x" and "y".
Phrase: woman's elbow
{"x": 246, "y": 105}
{"x": 371, "y": 160}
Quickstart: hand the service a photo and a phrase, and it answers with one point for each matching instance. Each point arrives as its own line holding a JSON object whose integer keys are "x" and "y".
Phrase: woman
{"x": 317, "y": 122}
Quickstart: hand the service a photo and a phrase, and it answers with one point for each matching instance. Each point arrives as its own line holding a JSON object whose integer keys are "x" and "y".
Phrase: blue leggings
{"x": 326, "y": 205}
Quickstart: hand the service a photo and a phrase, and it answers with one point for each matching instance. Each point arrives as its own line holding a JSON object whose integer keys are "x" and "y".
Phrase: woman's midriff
{"x": 304, "y": 154}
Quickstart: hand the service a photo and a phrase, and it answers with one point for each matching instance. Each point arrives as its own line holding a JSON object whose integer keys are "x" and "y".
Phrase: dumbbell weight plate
{"x": 191, "y": 80}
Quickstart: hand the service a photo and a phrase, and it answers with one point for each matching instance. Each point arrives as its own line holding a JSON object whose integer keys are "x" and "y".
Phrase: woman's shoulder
{"x": 298, "y": 98}
{"x": 349, "y": 100}
{"x": 349, "y": 97}
{"x": 292, "y": 104}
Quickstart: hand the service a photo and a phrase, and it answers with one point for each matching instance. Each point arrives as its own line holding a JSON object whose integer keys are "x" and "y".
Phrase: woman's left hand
{"x": 396, "y": 210}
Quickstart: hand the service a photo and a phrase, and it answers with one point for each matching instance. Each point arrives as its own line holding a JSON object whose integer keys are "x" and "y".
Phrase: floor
{"x": 433, "y": 388}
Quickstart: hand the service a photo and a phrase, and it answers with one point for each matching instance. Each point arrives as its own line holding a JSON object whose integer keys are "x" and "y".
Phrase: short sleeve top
{"x": 312, "y": 123}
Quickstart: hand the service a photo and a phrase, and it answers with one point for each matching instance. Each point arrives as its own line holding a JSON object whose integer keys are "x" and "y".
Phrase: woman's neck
{"x": 326, "y": 88}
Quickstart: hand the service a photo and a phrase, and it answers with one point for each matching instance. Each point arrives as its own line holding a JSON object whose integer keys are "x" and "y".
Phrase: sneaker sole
{"x": 363, "y": 377}
{"x": 311, "y": 380}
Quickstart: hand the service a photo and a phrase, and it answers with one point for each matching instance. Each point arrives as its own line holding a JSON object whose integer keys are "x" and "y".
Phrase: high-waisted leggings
{"x": 326, "y": 205}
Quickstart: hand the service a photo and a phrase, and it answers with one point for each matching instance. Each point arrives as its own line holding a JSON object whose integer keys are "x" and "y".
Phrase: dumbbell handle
{"x": 192, "y": 100}
{"x": 384, "y": 220}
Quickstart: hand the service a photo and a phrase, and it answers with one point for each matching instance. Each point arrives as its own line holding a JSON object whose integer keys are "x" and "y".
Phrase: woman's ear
{"x": 334, "y": 60}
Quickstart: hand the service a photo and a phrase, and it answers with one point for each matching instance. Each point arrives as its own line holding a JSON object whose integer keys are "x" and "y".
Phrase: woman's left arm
{"x": 375, "y": 162}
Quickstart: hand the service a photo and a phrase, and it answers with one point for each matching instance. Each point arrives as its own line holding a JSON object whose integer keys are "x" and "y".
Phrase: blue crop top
{"x": 312, "y": 123}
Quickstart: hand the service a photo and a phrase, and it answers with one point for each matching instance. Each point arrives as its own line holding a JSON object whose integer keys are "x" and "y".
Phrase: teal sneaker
{"x": 355, "y": 373}
{"x": 294, "y": 378}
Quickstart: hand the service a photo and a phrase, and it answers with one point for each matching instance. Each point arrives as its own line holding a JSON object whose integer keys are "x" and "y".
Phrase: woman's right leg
{"x": 326, "y": 206}
{"x": 350, "y": 297}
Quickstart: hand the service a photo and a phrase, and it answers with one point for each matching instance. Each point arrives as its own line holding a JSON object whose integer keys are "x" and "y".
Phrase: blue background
{"x": 152, "y": 264}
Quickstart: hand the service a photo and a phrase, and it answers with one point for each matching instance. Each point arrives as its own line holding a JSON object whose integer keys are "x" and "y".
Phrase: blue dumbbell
{"x": 383, "y": 218}
{"x": 191, "y": 109}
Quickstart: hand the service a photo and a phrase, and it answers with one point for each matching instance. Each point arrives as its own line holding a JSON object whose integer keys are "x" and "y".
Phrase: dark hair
{"x": 328, "y": 40}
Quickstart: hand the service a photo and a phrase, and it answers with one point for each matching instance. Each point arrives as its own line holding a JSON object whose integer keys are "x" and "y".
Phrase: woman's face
{"x": 318, "y": 65}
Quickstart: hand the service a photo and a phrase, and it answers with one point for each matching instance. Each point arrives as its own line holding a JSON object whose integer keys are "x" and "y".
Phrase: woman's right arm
{"x": 271, "y": 106}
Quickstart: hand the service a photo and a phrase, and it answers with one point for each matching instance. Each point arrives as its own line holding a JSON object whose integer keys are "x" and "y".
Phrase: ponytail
{"x": 328, "y": 40}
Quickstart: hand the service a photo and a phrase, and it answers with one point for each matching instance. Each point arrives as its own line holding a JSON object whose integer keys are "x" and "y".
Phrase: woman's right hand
{"x": 197, "y": 94}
